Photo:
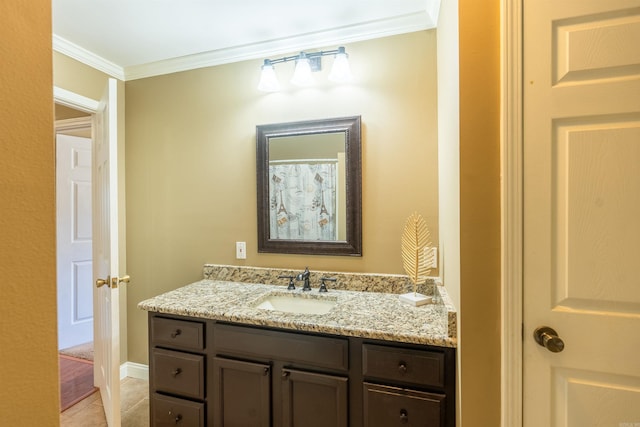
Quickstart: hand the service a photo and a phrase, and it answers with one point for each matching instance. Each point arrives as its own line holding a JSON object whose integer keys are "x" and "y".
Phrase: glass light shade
{"x": 268, "y": 79}
{"x": 341, "y": 71}
{"x": 302, "y": 74}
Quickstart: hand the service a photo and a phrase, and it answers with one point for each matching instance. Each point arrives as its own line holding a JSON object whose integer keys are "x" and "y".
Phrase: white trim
{"x": 512, "y": 213}
{"x": 75, "y": 123}
{"x": 78, "y": 53}
{"x": 73, "y": 100}
{"x": 134, "y": 370}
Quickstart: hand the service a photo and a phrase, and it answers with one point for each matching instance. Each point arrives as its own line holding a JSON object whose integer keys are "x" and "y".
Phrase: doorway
{"x": 74, "y": 281}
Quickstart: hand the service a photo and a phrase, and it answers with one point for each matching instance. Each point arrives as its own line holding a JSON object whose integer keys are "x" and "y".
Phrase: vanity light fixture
{"x": 306, "y": 63}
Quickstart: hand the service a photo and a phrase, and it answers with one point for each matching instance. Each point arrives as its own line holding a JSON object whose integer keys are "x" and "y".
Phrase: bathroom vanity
{"x": 216, "y": 359}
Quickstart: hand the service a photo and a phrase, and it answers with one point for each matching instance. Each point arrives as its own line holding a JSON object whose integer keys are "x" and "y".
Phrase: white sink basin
{"x": 297, "y": 303}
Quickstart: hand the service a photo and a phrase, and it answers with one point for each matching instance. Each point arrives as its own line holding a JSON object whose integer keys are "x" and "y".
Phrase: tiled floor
{"x": 134, "y": 402}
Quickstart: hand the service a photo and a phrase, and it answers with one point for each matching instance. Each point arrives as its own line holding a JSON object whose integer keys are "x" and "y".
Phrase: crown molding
{"x": 402, "y": 24}
{"x": 349, "y": 34}
{"x": 369, "y": 30}
{"x": 88, "y": 58}
{"x": 75, "y": 123}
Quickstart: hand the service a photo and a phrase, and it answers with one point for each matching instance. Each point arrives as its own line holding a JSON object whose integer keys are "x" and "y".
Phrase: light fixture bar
{"x": 308, "y": 55}
{"x": 306, "y": 62}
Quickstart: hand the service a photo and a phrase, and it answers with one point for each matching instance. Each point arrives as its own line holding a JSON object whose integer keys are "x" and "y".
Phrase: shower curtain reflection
{"x": 303, "y": 198}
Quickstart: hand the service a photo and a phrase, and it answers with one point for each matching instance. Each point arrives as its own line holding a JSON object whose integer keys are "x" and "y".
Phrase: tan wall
{"x": 28, "y": 343}
{"x": 480, "y": 211}
{"x": 191, "y": 185}
{"x": 77, "y": 77}
{"x": 63, "y": 113}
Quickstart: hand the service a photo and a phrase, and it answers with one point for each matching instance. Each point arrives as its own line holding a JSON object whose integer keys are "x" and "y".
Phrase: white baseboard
{"x": 134, "y": 370}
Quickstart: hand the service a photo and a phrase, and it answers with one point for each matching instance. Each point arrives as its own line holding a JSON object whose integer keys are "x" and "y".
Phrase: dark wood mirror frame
{"x": 352, "y": 246}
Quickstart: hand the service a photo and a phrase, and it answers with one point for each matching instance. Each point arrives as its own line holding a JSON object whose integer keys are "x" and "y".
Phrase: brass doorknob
{"x": 115, "y": 281}
{"x": 549, "y": 339}
{"x": 102, "y": 282}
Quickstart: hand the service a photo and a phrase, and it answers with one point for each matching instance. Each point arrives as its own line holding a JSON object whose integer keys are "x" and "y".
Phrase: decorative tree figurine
{"x": 417, "y": 257}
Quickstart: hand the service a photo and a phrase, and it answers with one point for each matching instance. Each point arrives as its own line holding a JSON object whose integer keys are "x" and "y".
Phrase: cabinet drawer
{"x": 169, "y": 411}
{"x": 405, "y": 366}
{"x": 178, "y": 373}
{"x": 317, "y": 351}
{"x": 392, "y": 406}
{"x": 177, "y": 333}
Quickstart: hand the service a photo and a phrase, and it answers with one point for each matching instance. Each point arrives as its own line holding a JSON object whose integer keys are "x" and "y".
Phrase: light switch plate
{"x": 241, "y": 250}
{"x": 434, "y": 260}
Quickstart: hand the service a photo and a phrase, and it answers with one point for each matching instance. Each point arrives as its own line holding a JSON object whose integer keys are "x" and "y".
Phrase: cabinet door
{"x": 313, "y": 400}
{"x": 386, "y": 406}
{"x": 241, "y": 393}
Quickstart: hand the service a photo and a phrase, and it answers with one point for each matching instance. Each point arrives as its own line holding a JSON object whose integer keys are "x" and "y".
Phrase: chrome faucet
{"x": 304, "y": 276}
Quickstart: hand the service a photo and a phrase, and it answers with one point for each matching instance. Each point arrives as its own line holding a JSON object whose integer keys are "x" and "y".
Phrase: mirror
{"x": 309, "y": 187}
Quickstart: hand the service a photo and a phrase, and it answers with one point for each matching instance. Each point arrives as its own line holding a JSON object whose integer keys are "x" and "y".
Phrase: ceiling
{"x": 132, "y": 39}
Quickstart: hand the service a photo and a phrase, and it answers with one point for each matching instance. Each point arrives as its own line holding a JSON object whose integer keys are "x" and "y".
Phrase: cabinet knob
{"x": 285, "y": 375}
{"x": 402, "y": 367}
{"x": 177, "y": 418}
{"x": 404, "y": 416}
{"x": 176, "y": 372}
{"x": 265, "y": 371}
{"x": 176, "y": 333}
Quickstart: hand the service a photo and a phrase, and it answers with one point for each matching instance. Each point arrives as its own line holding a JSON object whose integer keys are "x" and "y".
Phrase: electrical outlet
{"x": 241, "y": 250}
{"x": 433, "y": 253}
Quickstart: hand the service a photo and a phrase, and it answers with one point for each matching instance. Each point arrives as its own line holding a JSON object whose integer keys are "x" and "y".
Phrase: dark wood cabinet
{"x": 177, "y": 368}
{"x": 211, "y": 373}
{"x": 313, "y": 400}
{"x": 303, "y": 376}
{"x": 241, "y": 393}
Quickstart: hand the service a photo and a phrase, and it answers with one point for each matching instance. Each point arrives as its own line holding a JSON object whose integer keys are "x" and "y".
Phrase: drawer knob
{"x": 176, "y": 333}
{"x": 402, "y": 367}
{"x": 404, "y": 416}
{"x": 178, "y": 417}
{"x": 176, "y": 372}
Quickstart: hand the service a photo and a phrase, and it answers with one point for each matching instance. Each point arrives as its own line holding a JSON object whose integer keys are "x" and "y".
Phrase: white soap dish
{"x": 415, "y": 299}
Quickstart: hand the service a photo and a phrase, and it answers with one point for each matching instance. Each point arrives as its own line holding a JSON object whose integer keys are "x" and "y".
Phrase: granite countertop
{"x": 373, "y": 315}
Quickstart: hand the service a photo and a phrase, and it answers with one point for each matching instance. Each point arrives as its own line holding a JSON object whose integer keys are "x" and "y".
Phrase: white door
{"x": 73, "y": 218}
{"x": 105, "y": 256}
{"x": 582, "y": 212}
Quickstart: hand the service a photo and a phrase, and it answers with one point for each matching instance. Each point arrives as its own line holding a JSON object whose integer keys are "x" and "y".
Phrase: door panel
{"x": 596, "y": 183}
{"x": 73, "y": 217}
{"x": 582, "y": 211}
